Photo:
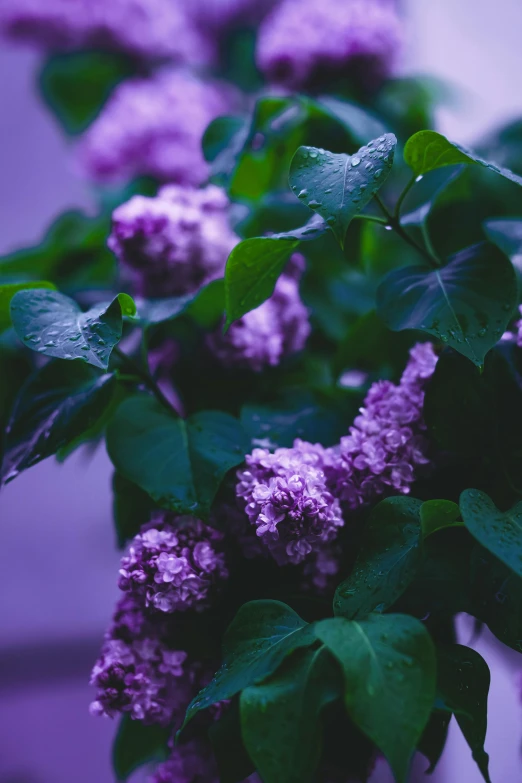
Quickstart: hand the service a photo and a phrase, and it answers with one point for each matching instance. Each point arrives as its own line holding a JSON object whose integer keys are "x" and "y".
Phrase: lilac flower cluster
{"x": 304, "y": 41}
{"x": 138, "y": 672}
{"x": 174, "y": 567}
{"x": 153, "y": 127}
{"x": 387, "y": 442}
{"x": 286, "y": 498}
{"x": 262, "y": 337}
{"x": 173, "y": 243}
{"x": 148, "y": 29}
{"x": 293, "y": 497}
{"x": 193, "y": 761}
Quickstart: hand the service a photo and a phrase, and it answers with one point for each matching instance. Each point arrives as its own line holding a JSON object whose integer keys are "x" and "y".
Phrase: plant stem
{"x": 411, "y": 183}
{"x": 394, "y": 223}
{"x": 146, "y": 377}
{"x": 371, "y": 218}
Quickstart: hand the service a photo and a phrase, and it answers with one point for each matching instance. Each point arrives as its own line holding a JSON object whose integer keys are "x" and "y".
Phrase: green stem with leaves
{"x": 394, "y": 223}
{"x": 145, "y": 377}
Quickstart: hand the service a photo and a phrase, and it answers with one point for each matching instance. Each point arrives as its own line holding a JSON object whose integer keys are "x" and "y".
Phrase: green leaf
{"x": 437, "y": 515}
{"x": 428, "y": 150}
{"x": 205, "y": 306}
{"x": 254, "y": 266}
{"x": 506, "y": 234}
{"x": 136, "y": 745}
{"x": 305, "y": 419}
{"x": 52, "y": 324}
{"x": 500, "y": 532}
{"x": 233, "y": 762}
{"x": 338, "y": 187}
{"x": 7, "y": 292}
{"x": 75, "y": 85}
{"x": 280, "y": 718}
{"x": 433, "y": 740}
{"x": 389, "y": 668}
{"x": 462, "y": 687}
{"x": 180, "y": 463}
{"x": 54, "y": 407}
{"x": 360, "y": 123}
{"x": 466, "y": 304}
{"x": 132, "y": 508}
{"x": 389, "y": 558}
{"x": 258, "y": 640}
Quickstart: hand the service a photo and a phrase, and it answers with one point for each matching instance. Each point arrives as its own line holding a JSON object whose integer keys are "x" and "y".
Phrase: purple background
{"x": 57, "y": 557}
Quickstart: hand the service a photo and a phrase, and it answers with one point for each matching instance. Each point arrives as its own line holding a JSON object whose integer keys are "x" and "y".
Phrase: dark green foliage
{"x": 136, "y": 745}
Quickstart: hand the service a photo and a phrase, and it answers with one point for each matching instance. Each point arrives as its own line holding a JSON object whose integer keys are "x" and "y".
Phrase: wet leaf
{"x": 500, "y": 532}
{"x": 7, "y": 291}
{"x": 437, "y": 515}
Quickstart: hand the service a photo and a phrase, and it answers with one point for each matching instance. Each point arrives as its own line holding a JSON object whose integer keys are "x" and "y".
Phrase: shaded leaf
{"x": 500, "y": 532}
{"x": 466, "y": 304}
{"x": 254, "y": 266}
{"x": 282, "y": 425}
{"x": 205, "y": 306}
{"x": 131, "y": 507}
{"x": 136, "y": 745}
{"x": 360, "y": 123}
{"x": 180, "y": 463}
{"x": 433, "y": 740}
{"x": 258, "y": 640}
{"x": 506, "y": 234}
{"x": 437, "y": 515}
{"x": 281, "y": 718}
{"x": 339, "y": 186}
{"x": 428, "y": 150}
{"x": 389, "y": 558}
{"x": 7, "y": 291}
{"x": 53, "y": 324}
{"x": 233, "y": 762}
{"x": 55, "y": 406}
{"x": 462, "y": 687}
{"x": 389, "y": 669}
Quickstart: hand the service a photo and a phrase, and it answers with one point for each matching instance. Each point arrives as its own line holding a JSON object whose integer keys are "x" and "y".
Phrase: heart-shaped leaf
{"x": 258, "y": 640}
{"x": 53, "y": 324}
{"x": 389, "y": 668}
{"x": 280, "y": 719}
{"x": 462, "y": 688}
{"x": 338, "y": 187}
{"x": 466, "y": 304}
{"x": 254, "y": 266}
{"x": 428, "y": 150}
{"x": 179, "y": 462}
{"x": 500, "y": 532}
{"x": 388, "y": 560}
{"x": 54, "y": 407}
{"x": 437, "y": 515}
{"x": 7, "y": 292}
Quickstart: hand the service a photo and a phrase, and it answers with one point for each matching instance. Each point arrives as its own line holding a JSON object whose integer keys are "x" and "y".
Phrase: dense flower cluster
{"x": 173, "y": 243}
{"x": 286, "y": 497}
{"x": 174, "y": 567}
{"x": 386, "y": 442}
{"x": 151, "y": 29}
{"x": 153, "y": 127}
{"x": 138, "y": 672}
{"x": 303, "y": 41}
{"x": 262, "y": 337}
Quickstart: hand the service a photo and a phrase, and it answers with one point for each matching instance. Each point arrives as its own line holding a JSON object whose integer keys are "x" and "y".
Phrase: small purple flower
{"x": 304, "y": 42}
{"x": 174, "y": 243}
{"x": 387, "y": 441}
{"x": 153, "y": 127}
{"x": 518, "y": 327}
{"x": 148, "y": 29}
{"x": 174, "y": 564}
{"x": 286, "y": 498}
{"x": 138, "y": 672}
{"x": 192, "y": 762}
{"x": 275, "y": 329}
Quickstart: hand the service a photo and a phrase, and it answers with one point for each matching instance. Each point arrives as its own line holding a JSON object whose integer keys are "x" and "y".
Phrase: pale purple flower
{"x": 286, "y": 498}
{"x": 175, "y": 242}
{"x": 320, "y": 571}
{"x": 148, "y": 29}
{"x": 303, "y": 43}
{"x": 174, "y": 564}
{"x": 274, "y": 330}
{"x": 153, "y": 127}
{"x": 518, "y": 327}
{"x": 387, "y": 442}
{"x": 138, "y": 672}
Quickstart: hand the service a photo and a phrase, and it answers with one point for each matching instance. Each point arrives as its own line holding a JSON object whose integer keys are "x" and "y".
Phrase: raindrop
{"x": 355, "y": 161}
{"x": 302, "y": 193}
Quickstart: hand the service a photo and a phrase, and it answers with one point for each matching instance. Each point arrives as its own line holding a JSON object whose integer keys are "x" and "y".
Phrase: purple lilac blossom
{"x": 174, "y": 564}
{"x": 518, "y": 328}
{"x": 175, "y": 242}
{"x": 387, "y": 442}
{"x": 286, "y": 498}
{"x": 303, "y": 41}
{"x": 153, "y": 127}
{"x": 321, "y": 568}
{"x": 148, "y": 29}
{"x": 138, "y": 673}
{"x": 275, "y": 329}
{"x": 192, "y": 762}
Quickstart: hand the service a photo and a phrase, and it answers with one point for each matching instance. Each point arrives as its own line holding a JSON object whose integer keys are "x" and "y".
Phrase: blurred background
{"x": 58, "y": 558}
